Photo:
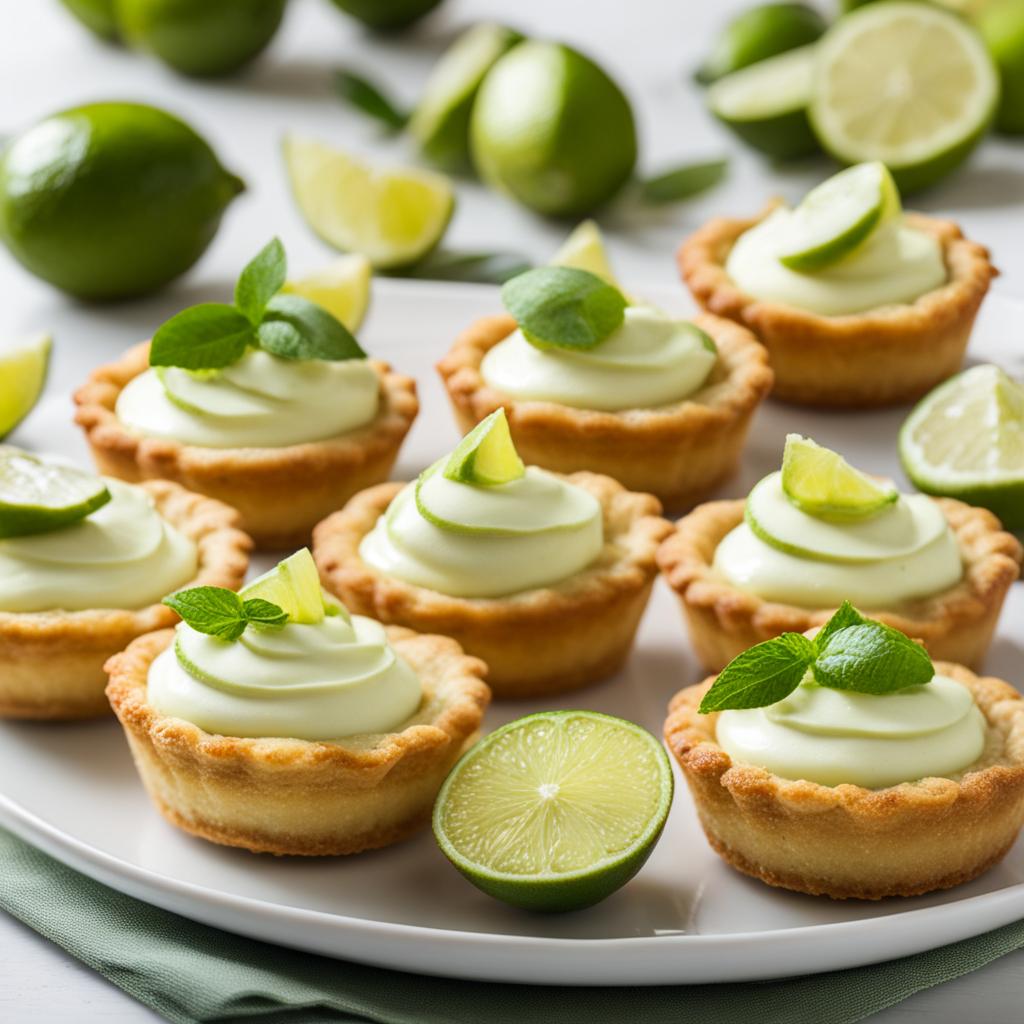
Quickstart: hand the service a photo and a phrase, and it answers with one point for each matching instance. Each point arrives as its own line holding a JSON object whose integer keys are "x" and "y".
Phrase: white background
{"x": 48, "y": 63}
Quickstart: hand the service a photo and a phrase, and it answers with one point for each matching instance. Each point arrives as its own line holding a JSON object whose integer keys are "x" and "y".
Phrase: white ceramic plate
{"x": 72, "y": 790}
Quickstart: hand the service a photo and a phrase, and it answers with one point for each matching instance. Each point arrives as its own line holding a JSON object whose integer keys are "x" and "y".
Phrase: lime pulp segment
{"x": 584, "y": 249}
{"x": 23, "y": 368}
{"x": 486, "y": 455}
{"x": 342, "y": 288}
{"x": 294, "y": 586}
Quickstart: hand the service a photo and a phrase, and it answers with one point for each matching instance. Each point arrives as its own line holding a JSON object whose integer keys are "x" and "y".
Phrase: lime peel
{"x": 486, "y": 456}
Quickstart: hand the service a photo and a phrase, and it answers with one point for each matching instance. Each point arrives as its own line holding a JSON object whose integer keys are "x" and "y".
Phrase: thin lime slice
{"x": 766, "y": 104}
{"x": 966, "y": 440}
{"x": 342, "y": 288}
{"x": 200, "y": 393}
{"x": 294, "y": 586}
{"x": 23, "y": 367}
{"x": 557, "y": 810}
{"x": 837, "y": 216}
{"x": 905, "y": 83}
{"x": 38, "y": 496}
{"x": 392, "y": 217}
{"x": 822, "y": 483}
{"x": 584, "y": 249}
{"x": 486, "y": 456}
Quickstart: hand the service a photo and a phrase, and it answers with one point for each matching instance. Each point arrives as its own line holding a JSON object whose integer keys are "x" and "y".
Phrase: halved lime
{"x": 822, "y": 483}
{"x": 1001, "y": 24}
{"x": 440, "y": 122}
{"x": 342, "y": 288}
{"x": 393, "y": 217}
{"x": 23, "y": 367}
{"x": 486, "y": 455}
{"x": 966, "y": 440}
{"x": 766, "y": 104}
{"x": 834, "y": 218}
{"x": 557, "y": 810}
{"x": 584, "y": 249}
{"x": 38, "y": 496}
{"x": 294, "y": 586}
{"x": 905, "y": 83}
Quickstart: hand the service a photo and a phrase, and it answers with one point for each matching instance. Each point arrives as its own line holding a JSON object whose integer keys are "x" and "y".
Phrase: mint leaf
{"x": 295, "y": 328}
{"x": 762, "y": 675}
{"x": 871, "y": 658}
{"x": 368, "y": 99}
{"x": 683, "y": 182}
{"x": 263, "y": 614}
{"x": 205, "y": 337}
{"x": 846, "y": 615}
{"x": 261, "y": 279}
{"x": 210, "y": 610}
{"x": 564, "y": 307}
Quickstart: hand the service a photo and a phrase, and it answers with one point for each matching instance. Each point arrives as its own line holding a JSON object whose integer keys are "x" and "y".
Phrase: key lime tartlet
{"x": 857, "y": 303}
{"x": 590, "y": 381}
{"x": 542, "y": 576}
{"x": 269, "y": 405}
{"x": 293, "y": 727}
{"x": 84, "y": 563}
{"x": 819, "y": 532}
{"x": 848, "y": 765}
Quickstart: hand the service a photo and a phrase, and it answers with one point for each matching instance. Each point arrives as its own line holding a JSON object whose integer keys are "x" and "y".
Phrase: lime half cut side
{"x": 23, "y": 367}
{"x": 557, "y": 810}
{"x": 294, "y": 586}
{"x": 486, "y": 455}
{"x": 38, "y": 496}
{"x": 966, "y": 440}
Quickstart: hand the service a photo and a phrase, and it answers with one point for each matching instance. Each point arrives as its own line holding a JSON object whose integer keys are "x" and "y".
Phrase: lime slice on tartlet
{"x": 584, "y": 249}
{"x": 966, "y": 440}
{"x": 342, "y": 288}
{"x": 393, "y": 217}
{"x": 486, "y": 456}
{"x": 557, "y": 810}
{"x": 197, "y": 392}
{"x": 905, "y": 83}
{"x": 23, "y": 367}
{"x": 836, "y": 217}
{"x": 38, "y": 496}
{"x": 294, "y": 586}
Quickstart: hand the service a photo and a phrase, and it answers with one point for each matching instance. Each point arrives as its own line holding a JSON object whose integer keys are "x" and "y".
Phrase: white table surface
{"x": 48, "y": 63}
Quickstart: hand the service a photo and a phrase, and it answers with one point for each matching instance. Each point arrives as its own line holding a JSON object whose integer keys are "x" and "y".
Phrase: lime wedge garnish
{"x": 966, "y": 440}
{"x": 38, "y": 496}
{"x": 342, "y": 288}
{"x": 486, "y": 456}
{"x": 822, "y": 483}
{"x": 557, "y": 810}
{"x": 584, "y": 249}
{"x": 905, "y": 83}
{"x": 839, "y": 215}
{"x": 23, "y": 366}
{"x": 392, "y": 217}
{"x": 294, "y": 586}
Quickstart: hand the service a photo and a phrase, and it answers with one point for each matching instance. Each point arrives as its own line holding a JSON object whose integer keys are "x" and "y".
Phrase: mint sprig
{"x": 222, "y": 613}
{"x": 850, "y": 652}
{"x": 214, "y": 334}
{"x": 562, "y": 307}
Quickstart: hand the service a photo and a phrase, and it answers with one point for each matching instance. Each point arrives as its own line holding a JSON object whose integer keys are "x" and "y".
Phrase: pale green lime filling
{"x": 836, "y": 736}
{"x": 652, "y": 359}
{"x": 322, "y": 681}
{"x": 897, "y": 264}
{"x": 260, "y": 401}
{"x": 124, "y": 555}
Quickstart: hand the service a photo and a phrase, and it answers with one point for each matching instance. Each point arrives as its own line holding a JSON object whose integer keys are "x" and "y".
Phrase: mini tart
{"x": 51, "y": 663}
{"x": 535, "y": 643}
{"x": 281, "y": 493}
{"x": 849, "y": 842}
{"x": 955, "y": 625}
{"x": 290, "y": 796}
{"x": 881, "y": 357}
{"x": 679, "y": 452}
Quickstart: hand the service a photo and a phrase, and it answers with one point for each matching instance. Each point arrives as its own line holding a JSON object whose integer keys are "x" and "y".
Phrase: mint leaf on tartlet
{"x": 762, "y": 675}
{"x": 261, "y": 279}
{"x": 222, "y": 613}
{"x": 205, "y": 337}
{"x": 295, "y": 328}
{"x": 871, "y": 658}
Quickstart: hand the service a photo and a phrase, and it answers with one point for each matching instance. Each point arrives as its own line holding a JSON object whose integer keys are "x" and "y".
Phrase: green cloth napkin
{"x": 192, "y": 973}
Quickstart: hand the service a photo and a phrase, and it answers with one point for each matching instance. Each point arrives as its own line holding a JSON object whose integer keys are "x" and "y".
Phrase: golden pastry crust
{"x": 882, "y": 357}
{"x": 679, "y": 452}
{"x": 281, "y": 493}
{"x": 297, "y": 797}
{"x": 536, "y": 643}
{"x": 51, "y": 663}
{"x": 955, "y": 625}
{"x": 849, "y": 842}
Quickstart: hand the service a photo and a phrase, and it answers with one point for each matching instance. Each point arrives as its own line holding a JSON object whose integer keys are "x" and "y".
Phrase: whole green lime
{"x": 1002, "y": 27}
{"x": 387, "y": 15}
{"x": 96, "y": 15}
{"x": 201, "y": 37}
{"x": 550, "y": 128}
{"x": 111, "y": 200}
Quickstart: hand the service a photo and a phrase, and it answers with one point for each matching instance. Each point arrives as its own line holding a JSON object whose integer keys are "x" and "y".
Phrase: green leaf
{"x": 205, "y": 337}
{"x": 368, "y": 99}
{"x": 260, "y": 280}
{"x": 683, "y": 182}
{"x": 472, "y": 267}
{"x": 762, "y": 675}
{"x": 871, "y": 658}
{"x": 210, "y": 610}
{"x": 846, "y": 615}
{"x": 295, "y": 328}
{"x": 564, "y": 307}
{"x": 263, "y": 614}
